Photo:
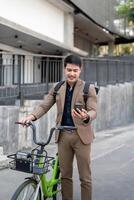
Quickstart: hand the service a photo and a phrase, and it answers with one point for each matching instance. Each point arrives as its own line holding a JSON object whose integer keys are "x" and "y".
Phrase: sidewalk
{"x": 115, "y": 131}
{"x": 99, "y": 148}
{"x": 109, "y": 140}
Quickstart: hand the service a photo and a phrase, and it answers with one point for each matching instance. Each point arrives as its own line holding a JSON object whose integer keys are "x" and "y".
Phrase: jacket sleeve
{"x": 44, "y": 107}
{"x": 92, "y": 103}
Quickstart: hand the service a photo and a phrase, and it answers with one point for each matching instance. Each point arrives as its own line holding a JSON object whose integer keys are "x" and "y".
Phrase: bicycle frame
{"x": 38, "y": 164}
{"x": 47, "y": 186}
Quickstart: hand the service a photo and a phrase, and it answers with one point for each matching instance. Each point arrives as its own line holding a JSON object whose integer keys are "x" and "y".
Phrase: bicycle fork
{"x": 38, "y": 190}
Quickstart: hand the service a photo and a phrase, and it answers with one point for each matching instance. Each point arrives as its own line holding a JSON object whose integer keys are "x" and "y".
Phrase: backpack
{"x": 85, "y": 90}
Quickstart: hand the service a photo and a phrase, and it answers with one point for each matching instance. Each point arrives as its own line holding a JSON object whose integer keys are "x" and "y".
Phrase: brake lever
{"x": 23, "y": 124}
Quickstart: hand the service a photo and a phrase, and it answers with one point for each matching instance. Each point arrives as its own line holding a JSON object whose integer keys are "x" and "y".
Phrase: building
{"x": 36, "y": 34}
{"x": 60, "y": 26}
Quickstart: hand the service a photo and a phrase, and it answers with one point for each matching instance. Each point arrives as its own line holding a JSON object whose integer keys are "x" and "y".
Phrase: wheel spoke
{"x": 27, "y": 193}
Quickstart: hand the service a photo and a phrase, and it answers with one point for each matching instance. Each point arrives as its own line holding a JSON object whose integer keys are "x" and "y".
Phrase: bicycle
{"x": 38, "y": 163}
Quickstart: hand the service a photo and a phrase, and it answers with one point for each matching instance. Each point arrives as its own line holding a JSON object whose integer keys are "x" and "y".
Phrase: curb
{"x": 4, "y": 162}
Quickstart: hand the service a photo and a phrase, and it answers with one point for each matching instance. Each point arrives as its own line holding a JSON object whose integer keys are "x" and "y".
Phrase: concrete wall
{"x": 44, "y": 17}
{"x": 8, "y": 131}
{"x": 40, "y": 16}
{"x": 82, "y": 42}
{"x": 115, "y": 108}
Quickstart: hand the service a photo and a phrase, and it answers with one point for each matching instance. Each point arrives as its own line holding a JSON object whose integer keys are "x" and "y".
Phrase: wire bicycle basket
{"x": 31, "y": 162}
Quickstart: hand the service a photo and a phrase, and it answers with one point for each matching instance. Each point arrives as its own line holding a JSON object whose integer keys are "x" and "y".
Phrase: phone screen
{"x": 79, "y": 106}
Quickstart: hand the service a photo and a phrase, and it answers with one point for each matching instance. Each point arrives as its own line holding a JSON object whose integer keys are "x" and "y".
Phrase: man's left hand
{"x": 81, "y": 114}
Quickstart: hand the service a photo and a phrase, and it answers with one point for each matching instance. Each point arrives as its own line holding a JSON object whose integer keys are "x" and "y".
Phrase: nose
{"x": 72, "y": 73}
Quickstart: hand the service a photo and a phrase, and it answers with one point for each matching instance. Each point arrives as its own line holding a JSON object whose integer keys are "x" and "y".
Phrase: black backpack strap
{"x": 97, "y": 89}
{"x": 86, "y": 92}
{"x": 57, "y": 87}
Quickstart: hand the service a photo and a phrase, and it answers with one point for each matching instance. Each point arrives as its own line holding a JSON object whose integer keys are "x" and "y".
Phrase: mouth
{"x": 71, "y": 77}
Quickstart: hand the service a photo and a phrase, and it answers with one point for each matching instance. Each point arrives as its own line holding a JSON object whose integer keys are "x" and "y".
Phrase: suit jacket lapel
{"x": 62, "y": 95}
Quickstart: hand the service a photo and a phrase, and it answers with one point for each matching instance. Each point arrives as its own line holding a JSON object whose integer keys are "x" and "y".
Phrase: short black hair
{"x": 73, "y": 59}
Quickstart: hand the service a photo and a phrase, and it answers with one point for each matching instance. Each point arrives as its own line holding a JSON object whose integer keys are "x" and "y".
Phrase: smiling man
{"x": 78, "y": 140}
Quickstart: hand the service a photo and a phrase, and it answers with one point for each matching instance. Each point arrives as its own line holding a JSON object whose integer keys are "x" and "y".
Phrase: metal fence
{"x": 108, "y": 71}
{"x": 22, "y": 77}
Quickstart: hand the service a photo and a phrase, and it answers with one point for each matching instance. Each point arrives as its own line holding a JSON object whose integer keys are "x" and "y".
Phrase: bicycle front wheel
{"x": 26, "y": 191}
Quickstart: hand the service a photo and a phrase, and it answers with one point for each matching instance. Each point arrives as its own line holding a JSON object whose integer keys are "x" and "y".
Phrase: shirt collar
{"x": 71, "y": 88}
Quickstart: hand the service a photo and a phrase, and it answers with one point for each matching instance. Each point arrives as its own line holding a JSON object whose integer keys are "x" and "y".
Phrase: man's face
{"x": 72, "y": 73}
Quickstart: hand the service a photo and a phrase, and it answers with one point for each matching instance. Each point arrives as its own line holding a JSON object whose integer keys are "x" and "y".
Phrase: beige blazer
{"x": 84, "y": 130}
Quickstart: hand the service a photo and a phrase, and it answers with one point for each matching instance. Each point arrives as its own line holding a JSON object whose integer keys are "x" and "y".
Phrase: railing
{"x": 108, "y": 71}
{"x": 6, "y": 92}
{"x": 24, "y": 77}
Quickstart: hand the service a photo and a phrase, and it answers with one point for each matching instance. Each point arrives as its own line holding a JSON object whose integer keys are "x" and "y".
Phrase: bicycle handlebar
{"x": 33, "y": 127}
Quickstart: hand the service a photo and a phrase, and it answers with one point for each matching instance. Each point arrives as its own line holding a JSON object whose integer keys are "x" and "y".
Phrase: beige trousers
{"x": 69, "y": 145}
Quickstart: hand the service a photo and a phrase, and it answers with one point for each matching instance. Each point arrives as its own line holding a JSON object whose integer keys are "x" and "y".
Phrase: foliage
{"x": 122, "y": 10}
{"x": 126, "y": 50}
{"x": 131, "y": 14}
{"x": 126, "y": 10}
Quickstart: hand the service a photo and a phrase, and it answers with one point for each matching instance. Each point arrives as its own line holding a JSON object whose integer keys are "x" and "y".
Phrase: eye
{"x": 69, "y": 70}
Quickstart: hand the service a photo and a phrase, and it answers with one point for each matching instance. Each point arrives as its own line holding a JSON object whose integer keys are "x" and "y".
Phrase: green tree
{"x": 126, "y": 10}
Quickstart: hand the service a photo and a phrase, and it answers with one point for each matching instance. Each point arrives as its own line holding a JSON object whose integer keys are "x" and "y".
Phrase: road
{"x": 112, "y": 168}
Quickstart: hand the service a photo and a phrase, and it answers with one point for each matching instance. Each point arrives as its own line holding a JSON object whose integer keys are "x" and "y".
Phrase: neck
{"x": 71, "y": 84}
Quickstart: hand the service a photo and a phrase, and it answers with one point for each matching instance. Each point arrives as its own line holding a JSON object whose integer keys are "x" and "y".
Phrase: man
{"x": 72, "y": 142}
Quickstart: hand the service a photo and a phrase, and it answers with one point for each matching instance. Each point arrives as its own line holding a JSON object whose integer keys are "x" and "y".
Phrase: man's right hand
{"x": 26, "y": 119}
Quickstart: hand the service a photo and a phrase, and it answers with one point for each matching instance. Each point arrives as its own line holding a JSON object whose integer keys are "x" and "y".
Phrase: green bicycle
{"x": 38, "y": 163}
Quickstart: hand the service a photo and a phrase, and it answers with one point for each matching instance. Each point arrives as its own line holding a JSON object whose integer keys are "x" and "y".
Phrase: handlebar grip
{"x": 23, "y": 124}
{"x": 19, "y": 123}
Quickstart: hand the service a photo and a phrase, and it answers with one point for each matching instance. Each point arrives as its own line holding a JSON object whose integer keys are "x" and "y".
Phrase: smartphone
{"x": 79, "y": 106}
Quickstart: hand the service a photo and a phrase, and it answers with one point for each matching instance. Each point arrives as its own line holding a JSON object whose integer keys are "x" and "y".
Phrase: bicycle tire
{"x": 27, "y": 188}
